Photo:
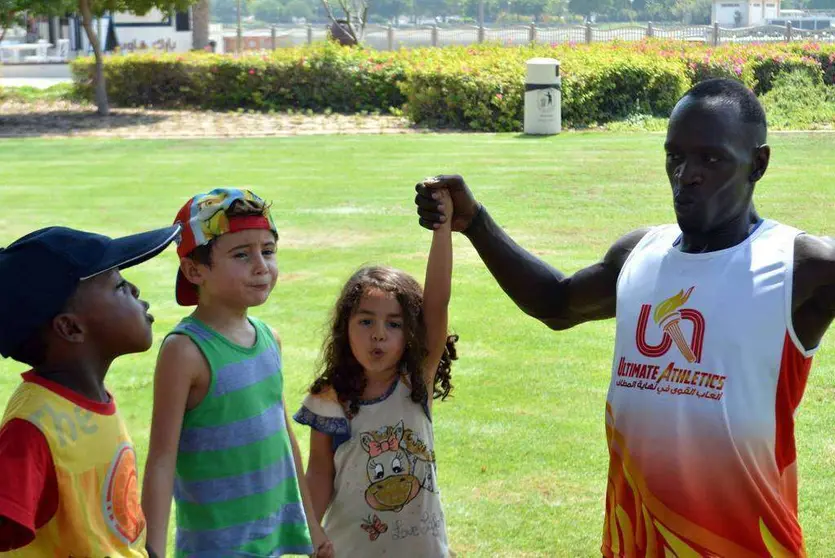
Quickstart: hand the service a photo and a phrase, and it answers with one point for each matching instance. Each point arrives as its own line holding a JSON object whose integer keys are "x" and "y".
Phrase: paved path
{"x": 38, "y": 83}
{"x": 40, "y": 76}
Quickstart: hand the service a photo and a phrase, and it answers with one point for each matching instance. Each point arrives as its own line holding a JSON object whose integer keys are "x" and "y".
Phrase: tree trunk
{"x": 98, "y": 77}
{"x": 200, "y": 20}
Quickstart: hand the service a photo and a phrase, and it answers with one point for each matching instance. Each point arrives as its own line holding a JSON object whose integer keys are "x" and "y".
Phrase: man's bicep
{"x": 592, "y": 291}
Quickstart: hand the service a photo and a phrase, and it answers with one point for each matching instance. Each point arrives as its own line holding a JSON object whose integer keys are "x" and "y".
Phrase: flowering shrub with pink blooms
{"x": 479, "y": 87}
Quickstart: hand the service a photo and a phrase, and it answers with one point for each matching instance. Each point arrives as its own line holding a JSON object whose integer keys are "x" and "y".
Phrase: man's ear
{"x": 761, "y": 158}
{"x": 192, "y": 271}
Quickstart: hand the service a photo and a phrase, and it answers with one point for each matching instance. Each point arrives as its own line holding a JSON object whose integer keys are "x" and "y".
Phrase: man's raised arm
{"x": 541, "y": 291}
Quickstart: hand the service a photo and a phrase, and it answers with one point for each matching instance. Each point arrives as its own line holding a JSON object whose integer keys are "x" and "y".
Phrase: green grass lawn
{"x": 521, "y": 445}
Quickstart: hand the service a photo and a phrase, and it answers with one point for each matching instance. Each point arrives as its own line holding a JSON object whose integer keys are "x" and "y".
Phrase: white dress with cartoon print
{"x": 386, "y": 500}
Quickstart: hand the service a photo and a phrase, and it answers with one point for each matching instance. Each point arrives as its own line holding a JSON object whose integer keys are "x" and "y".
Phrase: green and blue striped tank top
{"x": 235, "y": 487}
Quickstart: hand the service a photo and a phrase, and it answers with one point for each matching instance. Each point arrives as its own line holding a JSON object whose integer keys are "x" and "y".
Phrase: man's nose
{"x": 688, "y": 173}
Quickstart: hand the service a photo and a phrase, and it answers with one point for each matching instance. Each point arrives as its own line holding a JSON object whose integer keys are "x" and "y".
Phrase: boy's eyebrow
{"x": 247, "y": 246}
{"x": 240, "y": 247}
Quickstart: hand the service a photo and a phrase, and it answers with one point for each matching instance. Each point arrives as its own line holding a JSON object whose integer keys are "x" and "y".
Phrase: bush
{"x": 799, "y": 100}
{"x": 479, "y": 87}
{"x": 318, "y": 78}
{"x": 757, "y": 65}
{"x": 482, "y": 88}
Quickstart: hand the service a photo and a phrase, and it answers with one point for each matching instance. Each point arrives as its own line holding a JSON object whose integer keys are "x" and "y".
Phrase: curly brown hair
{"x": 339, "y": 367}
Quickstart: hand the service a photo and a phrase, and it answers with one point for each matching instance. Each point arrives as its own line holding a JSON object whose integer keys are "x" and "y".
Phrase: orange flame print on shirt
{"x": 122, "y": 509}
{"x": 668, "y": 316}
{"x": 638, "y": 524}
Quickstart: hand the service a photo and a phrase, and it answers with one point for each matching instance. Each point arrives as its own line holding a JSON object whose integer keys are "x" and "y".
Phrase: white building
{"x": 154, "y": 30}
{"x": 744, "y": 13}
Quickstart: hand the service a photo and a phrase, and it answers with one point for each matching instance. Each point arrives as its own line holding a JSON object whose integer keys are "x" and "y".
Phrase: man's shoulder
{"x": 814, "y": 262}
{"x": 810, "y": 248}
{"x": 619, "y": 251}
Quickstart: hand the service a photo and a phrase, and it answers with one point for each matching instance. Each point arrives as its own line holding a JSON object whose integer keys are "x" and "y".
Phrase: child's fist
{"x": 325, "y": 550}
{"x": 445, "y": 200}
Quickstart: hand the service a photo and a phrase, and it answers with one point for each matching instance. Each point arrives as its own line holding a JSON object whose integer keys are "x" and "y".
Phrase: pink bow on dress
{"x": 376, "y": 448}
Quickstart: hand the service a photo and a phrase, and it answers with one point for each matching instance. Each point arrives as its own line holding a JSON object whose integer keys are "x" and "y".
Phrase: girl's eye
{"x": 395, "y": 325}
{"x": 365, "y": 322}
{"x": 268, "y": 253}
{"x": 240, "y": 256}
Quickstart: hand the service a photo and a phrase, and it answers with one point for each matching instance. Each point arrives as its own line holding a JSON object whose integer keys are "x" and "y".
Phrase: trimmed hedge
{"x": 335, "y": 78}
{"x": 483, "y": 89}
{"x": 477, "y": 87}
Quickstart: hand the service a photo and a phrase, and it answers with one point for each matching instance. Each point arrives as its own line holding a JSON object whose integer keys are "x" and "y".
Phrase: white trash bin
{"x": 543, "y": 97}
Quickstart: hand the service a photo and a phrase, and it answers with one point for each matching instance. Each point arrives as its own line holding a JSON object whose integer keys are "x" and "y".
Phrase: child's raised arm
{"x": 436, "y": 293}
{"x": 178, "y": 366}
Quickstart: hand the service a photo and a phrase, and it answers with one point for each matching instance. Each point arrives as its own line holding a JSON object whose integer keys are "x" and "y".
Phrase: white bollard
{"x": 543, "y": 97}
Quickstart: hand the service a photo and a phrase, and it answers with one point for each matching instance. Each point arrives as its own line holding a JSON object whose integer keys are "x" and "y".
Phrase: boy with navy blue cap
{"x": 67, "y": 464}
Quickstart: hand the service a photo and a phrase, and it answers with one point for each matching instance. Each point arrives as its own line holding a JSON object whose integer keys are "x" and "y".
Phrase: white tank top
{"x": 706, "y": 378}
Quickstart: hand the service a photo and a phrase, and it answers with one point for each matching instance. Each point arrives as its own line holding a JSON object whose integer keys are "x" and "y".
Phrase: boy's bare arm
{"x": 321, "y": 546}
{"x": 179, "y": 365}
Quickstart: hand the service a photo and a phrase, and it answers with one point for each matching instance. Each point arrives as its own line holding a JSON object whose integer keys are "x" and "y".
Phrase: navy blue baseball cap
{"x": 40, "y": 272}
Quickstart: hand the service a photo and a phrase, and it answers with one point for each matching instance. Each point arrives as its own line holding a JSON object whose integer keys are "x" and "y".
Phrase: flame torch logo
{"x": 668, "y": 316}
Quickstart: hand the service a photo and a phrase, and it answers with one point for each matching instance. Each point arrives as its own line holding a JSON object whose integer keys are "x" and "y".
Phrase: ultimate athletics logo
{"x": 668, "y": 316}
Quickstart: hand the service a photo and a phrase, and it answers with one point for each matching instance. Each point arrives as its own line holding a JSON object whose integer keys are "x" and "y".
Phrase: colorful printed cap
{"x": 204, "y": 218}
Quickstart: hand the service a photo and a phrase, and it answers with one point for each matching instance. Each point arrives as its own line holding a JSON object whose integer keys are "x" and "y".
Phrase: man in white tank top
{"x": 717, "y": 319}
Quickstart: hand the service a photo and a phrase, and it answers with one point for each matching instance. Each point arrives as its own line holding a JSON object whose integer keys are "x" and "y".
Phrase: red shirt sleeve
{"x": 28, "y": 485}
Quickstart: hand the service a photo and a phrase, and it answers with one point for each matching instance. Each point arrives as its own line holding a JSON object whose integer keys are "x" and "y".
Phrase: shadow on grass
{"x": 59, "y": 110}
{"x": 45, "y": 123}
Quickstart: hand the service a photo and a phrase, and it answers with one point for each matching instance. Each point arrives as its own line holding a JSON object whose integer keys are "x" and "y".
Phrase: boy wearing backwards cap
{"x": 220, "y": 441}
{"x": 67, "y": 465}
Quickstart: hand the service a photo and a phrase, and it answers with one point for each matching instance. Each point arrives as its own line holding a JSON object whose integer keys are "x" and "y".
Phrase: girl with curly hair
{"x": 371, "y": 470}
